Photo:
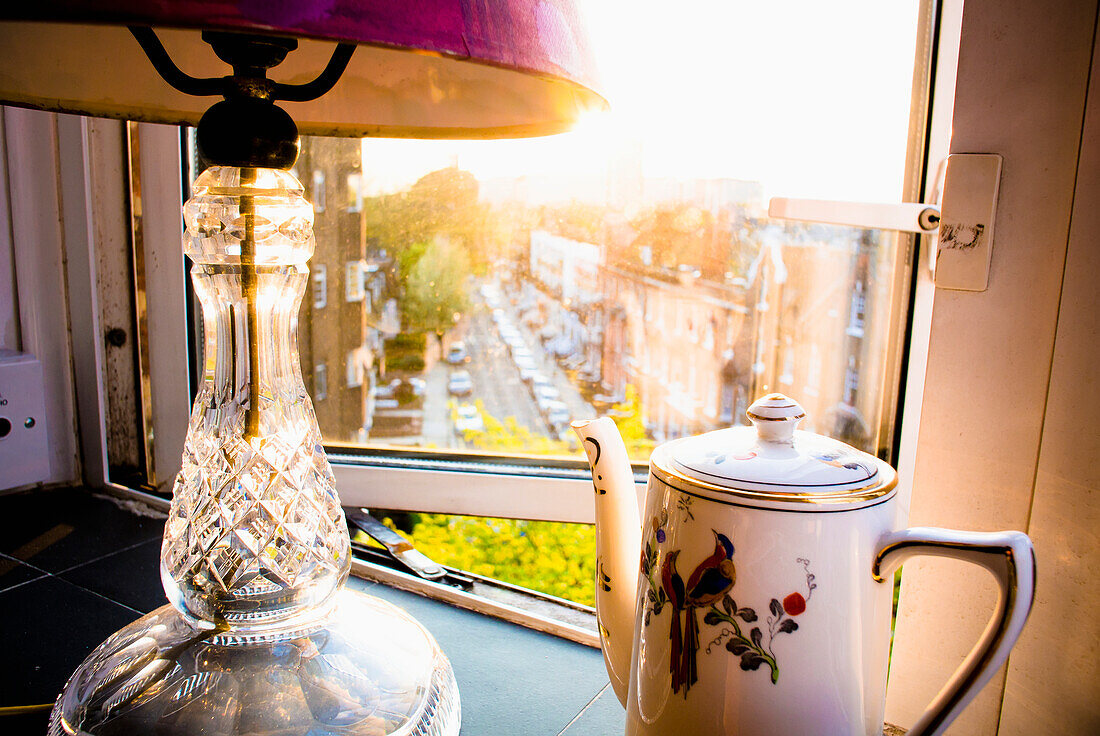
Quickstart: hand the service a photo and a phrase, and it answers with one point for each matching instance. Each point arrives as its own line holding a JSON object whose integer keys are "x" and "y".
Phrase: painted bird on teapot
{"x": 709, "y": 592}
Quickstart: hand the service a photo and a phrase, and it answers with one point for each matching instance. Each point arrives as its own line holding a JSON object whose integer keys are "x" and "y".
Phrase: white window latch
{"x": 964, "y": 228}
{"x": 908, "y": 217}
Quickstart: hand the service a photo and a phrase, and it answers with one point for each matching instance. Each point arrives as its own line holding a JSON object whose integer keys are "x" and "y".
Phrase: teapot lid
{"x": 774, "y": 462}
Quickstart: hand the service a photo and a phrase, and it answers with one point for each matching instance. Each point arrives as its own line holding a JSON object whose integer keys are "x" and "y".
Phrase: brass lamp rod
{"x": 249, "y": 291}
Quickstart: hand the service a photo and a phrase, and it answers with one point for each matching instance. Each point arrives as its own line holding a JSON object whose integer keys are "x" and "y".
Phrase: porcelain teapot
{"x": 755, "y": 595}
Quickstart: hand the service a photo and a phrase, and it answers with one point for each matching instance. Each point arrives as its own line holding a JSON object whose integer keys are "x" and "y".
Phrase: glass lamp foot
{"x": 365, "y": 668}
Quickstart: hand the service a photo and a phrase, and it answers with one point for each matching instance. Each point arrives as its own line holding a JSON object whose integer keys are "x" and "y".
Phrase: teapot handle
{"x": 1011, "y": 559}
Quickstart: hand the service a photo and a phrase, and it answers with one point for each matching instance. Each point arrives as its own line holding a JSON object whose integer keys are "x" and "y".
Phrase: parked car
{"x": 460, "y": 384}
{"x": 527, "y": 370}
{"x": 572, "y": 362}
{"x": 558, "y": 415}
{"x": 603, "y": 403}
{"x": 456, "y": 354}
{"x": 398, "y": 391}
{"x": 544, "y": 395}
{"x": 468, "y": 419}
{"x": 538, "y": 379}
{"x": 387, "y": 390}
{"x": 569, "y": 437}
{"x": 590, "y": 376}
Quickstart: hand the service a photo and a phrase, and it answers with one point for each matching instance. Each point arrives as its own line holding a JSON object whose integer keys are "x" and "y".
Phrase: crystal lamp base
{"x": 365, "y": 668}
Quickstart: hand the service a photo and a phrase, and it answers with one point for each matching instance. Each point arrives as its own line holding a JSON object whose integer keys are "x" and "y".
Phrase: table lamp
{"x": 260, "y": 636}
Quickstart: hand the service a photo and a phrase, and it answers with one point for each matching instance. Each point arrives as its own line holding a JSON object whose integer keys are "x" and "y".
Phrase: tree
{"x": 682, "y": 234}
{"x": 576, "y": 221}
{"x": 435, "y": 287}
{"x": 552, "y": 557}
{"x": 629, "y": 421}
{"x": 442, "y": 203}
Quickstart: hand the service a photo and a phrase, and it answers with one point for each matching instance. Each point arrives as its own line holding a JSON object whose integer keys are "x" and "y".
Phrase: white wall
{"x": 1053, "y": 682}
{"x": 9, "y": 302}
{"x": 37, "y": 252}
{"x": 1005, "y": 404}
{"x": 63, "y": 203}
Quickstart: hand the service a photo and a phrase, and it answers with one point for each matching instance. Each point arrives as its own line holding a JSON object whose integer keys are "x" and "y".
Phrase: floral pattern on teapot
{"x": 708, "y": 589}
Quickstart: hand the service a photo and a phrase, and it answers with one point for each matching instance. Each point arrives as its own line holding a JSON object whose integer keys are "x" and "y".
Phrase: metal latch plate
{"x": 969, "y": 205}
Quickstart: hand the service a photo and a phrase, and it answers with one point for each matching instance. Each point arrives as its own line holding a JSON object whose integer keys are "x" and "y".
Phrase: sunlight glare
{"x": 810, "y": 99}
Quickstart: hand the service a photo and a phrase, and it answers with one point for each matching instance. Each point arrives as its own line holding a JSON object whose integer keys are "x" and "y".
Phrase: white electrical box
{"x": 24, "y": 456}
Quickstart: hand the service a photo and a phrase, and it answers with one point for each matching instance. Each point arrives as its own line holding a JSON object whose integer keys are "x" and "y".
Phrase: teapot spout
{"x": 618, "y": 544}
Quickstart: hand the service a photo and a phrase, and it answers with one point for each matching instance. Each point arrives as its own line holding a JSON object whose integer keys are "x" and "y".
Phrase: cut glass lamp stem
{"x": 255, "y": 532}
{"x": 259, "y": 637}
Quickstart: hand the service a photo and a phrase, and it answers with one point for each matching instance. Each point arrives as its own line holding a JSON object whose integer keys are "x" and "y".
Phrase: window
{"x": 354, "y": 364}
{"x": 855, "y": 311}
{"x": 353, "y": 281}
{"x": 787, "y": 377}
{"x": 320, "y": 285}
{"x": 355, "y": 193}
{"x": 629, "y": 266}
{"x": 547, "y": 489}
{"x": 320, "y": 382}
{"x": 813, "y": 374}
{"x": 318, "y": 191}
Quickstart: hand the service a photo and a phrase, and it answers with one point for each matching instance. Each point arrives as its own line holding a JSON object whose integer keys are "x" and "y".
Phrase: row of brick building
{"x": 806, "y": 318}
{"x": 808, "y": 314}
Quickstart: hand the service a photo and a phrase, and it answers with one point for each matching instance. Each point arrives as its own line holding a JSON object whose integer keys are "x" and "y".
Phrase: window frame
{"x": 515, "y": 487}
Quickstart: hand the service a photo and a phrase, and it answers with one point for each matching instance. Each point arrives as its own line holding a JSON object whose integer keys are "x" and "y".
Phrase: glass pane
{"x": 478, "y": 295}
{"x": 547, "y": 556}
{"x": 494, "y": 290}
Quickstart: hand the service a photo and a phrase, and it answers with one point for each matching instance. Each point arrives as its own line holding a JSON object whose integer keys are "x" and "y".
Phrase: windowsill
{"x": 75, "y": 567}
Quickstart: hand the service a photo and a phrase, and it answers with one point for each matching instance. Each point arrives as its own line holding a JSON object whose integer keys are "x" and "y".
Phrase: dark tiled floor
{"x": 75, "y": 567}
{"x": 13, "y": 572}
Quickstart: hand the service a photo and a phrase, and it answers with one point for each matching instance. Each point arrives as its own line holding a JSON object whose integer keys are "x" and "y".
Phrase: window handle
{"x": 398, "y": 546}
{"x": 909, "y": 217}
{"x": 967, "y": 184}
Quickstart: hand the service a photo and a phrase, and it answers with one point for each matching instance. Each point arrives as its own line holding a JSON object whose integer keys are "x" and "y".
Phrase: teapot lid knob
{"x": 775, "y": 417}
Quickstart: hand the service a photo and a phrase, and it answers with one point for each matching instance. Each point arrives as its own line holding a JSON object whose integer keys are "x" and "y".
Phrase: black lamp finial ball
{"x": 248, "y": 133}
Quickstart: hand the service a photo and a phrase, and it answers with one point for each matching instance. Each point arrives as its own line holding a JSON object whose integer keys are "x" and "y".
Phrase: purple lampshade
{"x": 423, "y": 68}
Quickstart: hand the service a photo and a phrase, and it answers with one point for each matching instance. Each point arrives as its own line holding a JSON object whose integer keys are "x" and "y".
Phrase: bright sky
{"x": 810, "y": 98}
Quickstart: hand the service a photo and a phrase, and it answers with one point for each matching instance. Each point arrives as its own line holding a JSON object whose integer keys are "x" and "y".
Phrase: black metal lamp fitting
{"x": 246, "y": 129}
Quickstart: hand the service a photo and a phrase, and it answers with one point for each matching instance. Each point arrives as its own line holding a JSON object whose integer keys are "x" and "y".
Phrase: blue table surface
{"x": 514, "y": 680}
